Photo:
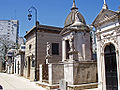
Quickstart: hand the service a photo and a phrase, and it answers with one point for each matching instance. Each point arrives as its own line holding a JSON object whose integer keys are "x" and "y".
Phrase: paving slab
{"x": 92, "y": 89}
{"x": 12, "y": 82}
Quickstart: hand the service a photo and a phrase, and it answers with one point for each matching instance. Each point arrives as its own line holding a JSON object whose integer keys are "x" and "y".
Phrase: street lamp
{"x": 36, "y": 26}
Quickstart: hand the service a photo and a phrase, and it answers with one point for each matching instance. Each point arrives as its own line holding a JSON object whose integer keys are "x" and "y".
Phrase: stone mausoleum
{"x": 76, "y": 67}
{"x": 107, "y": 25}
{"x": 76, "y": 50}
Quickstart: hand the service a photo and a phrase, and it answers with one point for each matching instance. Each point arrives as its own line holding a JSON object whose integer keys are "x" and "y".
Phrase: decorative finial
{"x": 74, "y": 6}
{"x": 104, "y": 1}
{"x": 105, "y": 5}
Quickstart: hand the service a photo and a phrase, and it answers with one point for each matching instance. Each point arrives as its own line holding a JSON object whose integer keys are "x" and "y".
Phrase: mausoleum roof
{"x": 74, "y": 17}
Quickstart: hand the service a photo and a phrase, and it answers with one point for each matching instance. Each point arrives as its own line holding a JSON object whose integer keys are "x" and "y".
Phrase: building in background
{"x": 9, "y": 30}
{"x": 10, "y": 61}
{"x": 19, "y": 60}
{"x": 93, "y": 44}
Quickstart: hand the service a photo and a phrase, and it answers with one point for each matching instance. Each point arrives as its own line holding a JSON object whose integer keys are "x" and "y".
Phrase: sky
{"x": 50, "y": 12}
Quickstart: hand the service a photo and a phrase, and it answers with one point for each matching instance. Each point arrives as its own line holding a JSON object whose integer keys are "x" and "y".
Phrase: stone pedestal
{"x": 56, "y": 73}
{"x": 73, "y": 55}
{"x": 48, "y": 59}
{"x": 79, "y": 72}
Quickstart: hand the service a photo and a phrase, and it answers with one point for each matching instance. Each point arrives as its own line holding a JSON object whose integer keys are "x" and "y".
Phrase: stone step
{"x": 47, "y": 86}
{"x": 90, "y": 86}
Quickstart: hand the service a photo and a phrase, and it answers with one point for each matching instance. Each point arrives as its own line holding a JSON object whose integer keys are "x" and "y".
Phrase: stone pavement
{"x": 12, "y": 82}
{"x": 92, "y": 89}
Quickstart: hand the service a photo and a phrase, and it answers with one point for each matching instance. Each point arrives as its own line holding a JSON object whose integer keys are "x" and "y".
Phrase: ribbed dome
{"x": 71, "y": 18}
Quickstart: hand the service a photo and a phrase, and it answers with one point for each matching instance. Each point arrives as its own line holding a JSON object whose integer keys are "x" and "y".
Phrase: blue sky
{"x": 50, "y": 12}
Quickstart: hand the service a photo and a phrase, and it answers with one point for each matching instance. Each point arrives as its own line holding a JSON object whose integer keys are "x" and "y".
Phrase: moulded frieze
{"x": 108, "y": 35}
{"x": 105, "y": 16}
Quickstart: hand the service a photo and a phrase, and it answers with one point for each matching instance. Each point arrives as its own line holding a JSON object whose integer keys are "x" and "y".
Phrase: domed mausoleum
{"x": 75, "y": 19}
{"x": 76, "y": 50}
{"x": 76, "y": 36}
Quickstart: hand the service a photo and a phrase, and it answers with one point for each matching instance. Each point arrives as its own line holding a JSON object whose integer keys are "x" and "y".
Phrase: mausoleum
{"x": 107, "y": 25}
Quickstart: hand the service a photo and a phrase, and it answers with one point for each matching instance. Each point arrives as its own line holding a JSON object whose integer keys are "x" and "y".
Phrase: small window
{"x": 8, "y": 33}
{"x": 33, "y": 63}
{"x": 55, "y": 48}
{"x": 22, "y": 47}
{"x": 30, "y": 46}
{"x": 8, "y": 23}
{"x": 8, "y": 26}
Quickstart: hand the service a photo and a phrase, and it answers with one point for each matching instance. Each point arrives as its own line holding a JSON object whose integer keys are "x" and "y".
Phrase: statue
{"x": 48, "y": 49}
{"x": 76, "y": 17}
{"x": 71, "y": 42}
{"x": 48, "y": 53}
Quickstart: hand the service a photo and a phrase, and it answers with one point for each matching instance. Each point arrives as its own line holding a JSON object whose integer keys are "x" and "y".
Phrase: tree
{"x": 5, "y": 45}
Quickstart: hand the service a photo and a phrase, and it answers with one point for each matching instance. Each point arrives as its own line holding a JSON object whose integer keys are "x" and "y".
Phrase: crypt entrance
{"x": 110, "y": 67}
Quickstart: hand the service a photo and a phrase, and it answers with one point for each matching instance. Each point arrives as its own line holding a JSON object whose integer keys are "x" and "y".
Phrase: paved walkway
{"x": 92, "y": 89}
{"x": 12, "y": 82}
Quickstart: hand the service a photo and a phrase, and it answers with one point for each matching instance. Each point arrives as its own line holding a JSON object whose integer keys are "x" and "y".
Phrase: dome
{"x": 71, "y": 18}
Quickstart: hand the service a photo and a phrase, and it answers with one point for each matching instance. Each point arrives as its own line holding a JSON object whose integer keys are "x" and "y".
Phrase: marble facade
{"x": 107, "y": 25}
{"x": 76, "y": 50}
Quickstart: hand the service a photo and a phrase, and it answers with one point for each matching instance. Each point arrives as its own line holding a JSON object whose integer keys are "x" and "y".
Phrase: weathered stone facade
{"x": 76, "y": 51}
{"x": 107, "y": 25}
{"x": 44, "y": 34}
{"x": 19, "y": 61}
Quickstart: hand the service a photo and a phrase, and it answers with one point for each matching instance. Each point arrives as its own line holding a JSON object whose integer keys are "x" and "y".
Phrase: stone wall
{"x": 25, "y": 72}
{"x": 32, "y": 74}
{"x": 83, "y": 46}
{"x": 56, "y": 73}
{"x": 80, "y": 72}
{"x": 43, "y": 38}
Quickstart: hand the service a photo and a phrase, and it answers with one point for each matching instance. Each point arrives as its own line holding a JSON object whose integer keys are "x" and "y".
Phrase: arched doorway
{"x": 111, "y": 67}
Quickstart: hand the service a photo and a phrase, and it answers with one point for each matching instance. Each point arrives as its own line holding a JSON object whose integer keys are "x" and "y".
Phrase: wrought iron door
{"x": 111, "y": 68}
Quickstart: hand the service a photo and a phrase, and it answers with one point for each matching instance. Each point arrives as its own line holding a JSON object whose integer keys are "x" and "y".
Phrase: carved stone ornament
{"x": 48, "y": 49}
{"x": 102, "y": 53}
{"x": 98, "y": 37}
{"x": 108, "y": 35}
{"x": 118, "y": 30}
{"x": 71, "y": 41}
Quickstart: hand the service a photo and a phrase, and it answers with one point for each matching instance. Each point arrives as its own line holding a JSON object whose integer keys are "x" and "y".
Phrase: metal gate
{"x": 45, "y": 73}
{"x": 111, "y": 68}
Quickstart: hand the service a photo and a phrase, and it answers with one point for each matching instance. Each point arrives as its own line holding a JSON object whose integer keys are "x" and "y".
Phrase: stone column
{"x": 99, "y": 64}
{"x": 83, "y": 51}
{"x": 50, "y": 74}
{"x": 63, "y": 50}
{"x": 40, "y": 72}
